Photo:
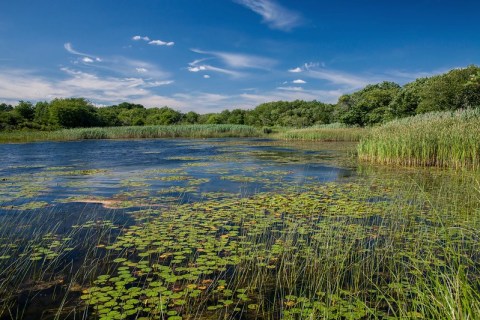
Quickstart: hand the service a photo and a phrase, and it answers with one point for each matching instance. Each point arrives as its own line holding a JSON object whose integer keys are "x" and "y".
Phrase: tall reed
{"x": 441, "y": 139}
{"x": 334, "y": 132}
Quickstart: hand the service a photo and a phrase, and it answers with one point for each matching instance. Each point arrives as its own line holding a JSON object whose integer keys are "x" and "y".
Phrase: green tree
{"x": 450, "y": 91}
{"x": 369, "y": 105}
{"x": 25, "y": 110}
{"x": 72, "y": 113}
{"x": 191, "y": 117}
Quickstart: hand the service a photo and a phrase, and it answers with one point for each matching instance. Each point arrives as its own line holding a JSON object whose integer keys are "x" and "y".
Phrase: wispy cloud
{"x": 274, "y": 15}
{"x": 68, "y": 46}
{"x": 410, "y": 76}
{"x": 335, "y": 77}
{"x": 199, "y": 66}
{"x": 239, "y": 60}
{"x": 290, "y": 88}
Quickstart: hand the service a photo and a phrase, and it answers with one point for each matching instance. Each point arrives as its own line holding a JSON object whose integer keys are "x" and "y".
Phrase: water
{"x": 58, "y": 199}
{"x": 62, "y": 204}
{"x": 51, "y": 171}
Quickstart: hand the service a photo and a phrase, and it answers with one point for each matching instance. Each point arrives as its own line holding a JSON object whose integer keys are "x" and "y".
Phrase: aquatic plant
{"x": 442, "y": 139}
{"x": 137, "y": 132}
{"x": 327, "y": 133}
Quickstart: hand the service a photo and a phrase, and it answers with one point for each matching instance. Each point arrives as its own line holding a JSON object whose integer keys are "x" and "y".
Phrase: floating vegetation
{"x": 328, "y": 252}
{"x": 242, "y": 230}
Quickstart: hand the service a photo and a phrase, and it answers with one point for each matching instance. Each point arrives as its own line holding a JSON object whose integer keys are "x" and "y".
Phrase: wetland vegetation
{"x": 232, "y": 229}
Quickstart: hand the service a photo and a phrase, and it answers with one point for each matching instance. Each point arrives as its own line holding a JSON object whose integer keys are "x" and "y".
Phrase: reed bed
{"x": 325, "y": 133}
{"x": 135, "y": 132}
{"x": 440, "y": 139}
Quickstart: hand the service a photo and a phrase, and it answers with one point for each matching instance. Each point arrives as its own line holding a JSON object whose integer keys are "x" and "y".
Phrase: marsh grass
{"x": 441, "y": 139}
{"x": 136, "y": 132}
{"x": 334, "y": 132}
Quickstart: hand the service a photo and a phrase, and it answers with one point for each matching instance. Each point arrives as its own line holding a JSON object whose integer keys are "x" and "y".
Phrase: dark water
{"x": 49, "y": 171}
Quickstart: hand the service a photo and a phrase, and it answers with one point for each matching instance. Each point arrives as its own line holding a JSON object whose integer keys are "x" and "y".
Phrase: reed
{"x": 331, "y": 132}
{"x": 440, "y": 139}
{"x": 135, "y": 132}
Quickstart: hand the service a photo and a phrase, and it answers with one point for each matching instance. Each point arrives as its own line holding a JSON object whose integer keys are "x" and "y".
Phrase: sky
{"x": 211, "y": 55}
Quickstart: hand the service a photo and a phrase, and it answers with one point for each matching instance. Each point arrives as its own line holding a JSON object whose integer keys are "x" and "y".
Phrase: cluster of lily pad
{"x": 326, "y": 252}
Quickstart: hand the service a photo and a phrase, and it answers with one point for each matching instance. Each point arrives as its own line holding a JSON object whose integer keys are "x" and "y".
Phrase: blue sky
{"x": 210, "y": 55}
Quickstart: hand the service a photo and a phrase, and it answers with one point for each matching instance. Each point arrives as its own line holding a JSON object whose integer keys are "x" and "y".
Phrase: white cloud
{"x": 206, "y": 76}
{"x": 340, "y": 78}
{"x": 295, "y": 70}
{"x": 299, "y": 81}
{"x": 158, "y": 83}
{"x": 136, "y": 38}
{"x": 195, "y": 66}
{"x": 127, "y": 67}
{"x": 86, "y": 57}
{"x": 273, "y": 14}
{"x": 153, "y": 42}
{"x": 28, "y": 85}
{"x": 239, "y": 60}
{"x": 161, "y": 43}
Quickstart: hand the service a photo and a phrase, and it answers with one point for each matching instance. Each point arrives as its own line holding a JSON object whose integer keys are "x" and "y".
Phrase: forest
{"x": 372, "y": 105}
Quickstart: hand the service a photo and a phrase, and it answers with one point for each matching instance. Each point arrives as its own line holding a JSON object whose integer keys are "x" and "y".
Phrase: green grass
{"x": 332, "y": 132}
{"x": 441, "y": 139}
{"x": 136, "y": 132}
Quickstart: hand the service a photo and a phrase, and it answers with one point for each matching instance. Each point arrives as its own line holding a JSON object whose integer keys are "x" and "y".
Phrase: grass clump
{"x": 441, "y": 139}
{"x": 331, "y": 132}
{"x": 134, "y": 132}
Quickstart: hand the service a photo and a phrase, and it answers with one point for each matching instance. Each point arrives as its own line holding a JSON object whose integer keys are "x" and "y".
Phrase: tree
{"x": 5, "y": 107}
{"x": 191, "y": 117}
{"x": 72, "y": 113}
{"x": 406, "y": 102}
{"x": 25, "y": 110}
{"x": 369, "y": 105}
{"x": 162, "y": 116}
{"x": 450, "y": 91}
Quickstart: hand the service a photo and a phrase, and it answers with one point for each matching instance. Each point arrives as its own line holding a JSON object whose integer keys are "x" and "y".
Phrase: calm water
{"x": 51, "y": 171}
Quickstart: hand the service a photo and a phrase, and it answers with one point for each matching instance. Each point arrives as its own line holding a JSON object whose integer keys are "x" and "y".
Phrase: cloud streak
{"x": 239, "y": 60}
{"x": 273, "y": 14}
{"x": 161, "y": 43}
{"x": 86, "y": 57}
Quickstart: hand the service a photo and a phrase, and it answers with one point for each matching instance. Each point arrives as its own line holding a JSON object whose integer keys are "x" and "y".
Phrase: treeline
{"x": 378, "y": 103}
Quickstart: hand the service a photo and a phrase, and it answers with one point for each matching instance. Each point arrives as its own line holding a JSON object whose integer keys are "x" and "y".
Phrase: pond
{"x": 227, "y": 228}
